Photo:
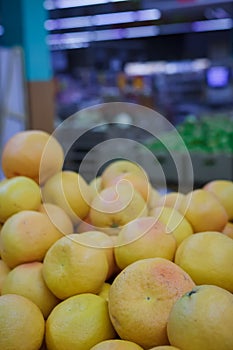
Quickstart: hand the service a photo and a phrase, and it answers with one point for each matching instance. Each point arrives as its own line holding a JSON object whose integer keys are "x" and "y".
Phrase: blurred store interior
{"x": 173, "y": 56}
{"x": 58, "y": 57}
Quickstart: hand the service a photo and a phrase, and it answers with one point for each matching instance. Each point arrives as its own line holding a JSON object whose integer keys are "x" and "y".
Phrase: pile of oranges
{"x": 110, "y": 264}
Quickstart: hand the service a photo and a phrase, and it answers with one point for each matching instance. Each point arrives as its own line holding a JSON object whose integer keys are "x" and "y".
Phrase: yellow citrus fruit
{"x": 96, "y": 184}
{"x": 85, "y": 225}
{"x": 104, "y": 291}
{"x": 138, "y": 182}
{"x": 26, "y": 237}
{"x": 79, "y": 322}
{"x": 223, "y": 190}
{"x": 120, "y": 167}
{"x": 116, "y": 344}
{"x": 153, "y": 198}
{"x": 68, "y": 190}
{"x": 58, "y": 217}
{"x": 17, "y": 194}
{"x": 0, "y": 243}
{"x": 171, "y": 200}
{"x": 4, "y": 270}
{"x": 116, "y": 206}
{"x": 95, "y": 187}
{"x": 165, "y": 347}
{"x": 228, "y": 230}
{"x": 208, "y": 258}
{"x": 27, "y": 280}
{"x": 204, "y": 211}
{"x": 21, "y": 323}
{"x": 202, "y": 319}
{"x": 23, "y": 153}
{"x": 141, "y": 297}
{"x": 104, "y": 242}
{"x": 175, "y": 222}
{"x": 143, "y": 238}
{"x": 73, "y": 268}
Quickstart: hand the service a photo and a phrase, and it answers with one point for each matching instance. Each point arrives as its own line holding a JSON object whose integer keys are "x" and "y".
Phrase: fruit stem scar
{"x": 147, "y": 298}
{"x": 193, "y": 291}
{"x": 114, "y": 225}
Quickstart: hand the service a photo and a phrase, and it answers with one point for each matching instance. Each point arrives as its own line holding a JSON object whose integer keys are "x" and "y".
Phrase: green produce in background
{"x": 208, "y": 134}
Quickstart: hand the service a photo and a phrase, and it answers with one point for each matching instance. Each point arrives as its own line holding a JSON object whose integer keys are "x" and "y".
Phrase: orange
{"x": 71, "y": 267}
{"x": 17, "y": 194}
{"x": 23, "y": 153}
{"x": 4, "y": 270}
{"x": 176, "y": 223}
{"x": 202, "y": 319}
{"x": 223, "y": 190}
{"x": 95, "y": 184}
{"x": 26, "y": 237}
{"x": 21, "y": 323}
{"x": 85, "y": 225}
{"x": 142, "y": 238}
{"x": 116, "y": 344}
{"x": 116, "y": 206}
{"x": 79, "y": 322}
{"x": 123, "y": 172}
{"x": 69, "y": 190}
{"x": 102, "y": 241}
{"x": 140, "y": 183}
{"x": 203, "y": 210}
{"x": 141, "y": 298}
{"x": 104, "y": 291}
{"x": 172, "y": 200}
{"x": 0, "y": 239}
{"x": 120, "y": 167}
{"x": 27, "y": 280}
{"x": 153, "y": 198}
{"x": 165, "y": 347}
{"x": 228, "y": 229}
{"x": 58, "y": 217}
{"x": 208, "y": 258}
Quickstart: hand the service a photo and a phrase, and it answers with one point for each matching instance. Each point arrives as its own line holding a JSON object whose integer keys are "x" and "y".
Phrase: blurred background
{"x": 174, "y": 56}
{"x": 58, "y": 57}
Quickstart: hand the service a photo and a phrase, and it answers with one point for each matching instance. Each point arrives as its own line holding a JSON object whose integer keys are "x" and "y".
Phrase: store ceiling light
{"x": 212, "y": 25}
{"x": 62, "y": 4}
{"x": 143, "y": 31}
{"x": 112, "y": 18}
{"x": 69, "y": 45}
{"x": 126, "y": 17}
{"x": 148, "y": 15}
{"x": 56, "y": 41}
{"x": 103, "y": 19}
{"x": 109, "y": 34}
{"x": 68, "y": 40}
{"x": 68, "y": 23}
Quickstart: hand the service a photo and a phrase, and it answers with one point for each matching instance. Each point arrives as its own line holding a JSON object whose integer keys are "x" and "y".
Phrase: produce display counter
{"x": 197, "y": 151}
{"x": 205, "y": 152}
{"x": 183, "y": 169}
